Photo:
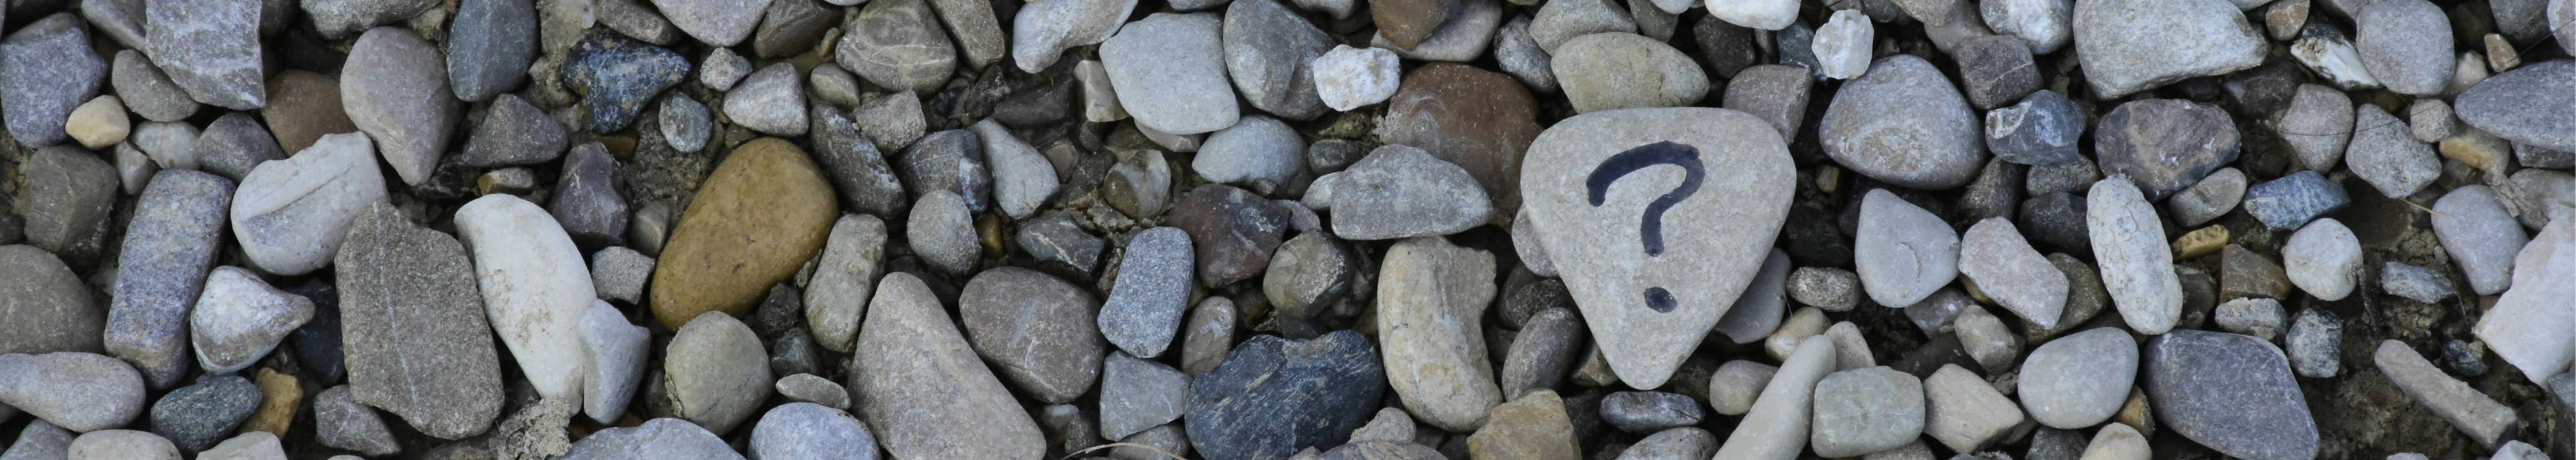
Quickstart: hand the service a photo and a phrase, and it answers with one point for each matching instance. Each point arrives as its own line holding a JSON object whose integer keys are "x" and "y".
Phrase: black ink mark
{"x": 1650, "y": 228}
{"x": 1659, "y": 299}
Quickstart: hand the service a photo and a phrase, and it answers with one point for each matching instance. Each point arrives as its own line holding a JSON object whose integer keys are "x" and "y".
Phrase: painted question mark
{"x": 1650, "y": 228}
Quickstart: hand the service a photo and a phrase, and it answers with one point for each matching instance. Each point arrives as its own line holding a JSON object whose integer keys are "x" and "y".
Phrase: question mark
{"x": 1650, "y": 228}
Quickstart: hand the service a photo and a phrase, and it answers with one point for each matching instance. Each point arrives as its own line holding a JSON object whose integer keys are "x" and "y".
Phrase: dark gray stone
{"x": 1649, "y": 411}
{"x": 195, "y": 417}
{"x": 1546, "y": 349}
{"x": 1310, "y": 273}
{"x": 234, "y": 144}
{"x": 489, "y": 46}
{"x": 2291, "y": 201}
{"x": 2230, "y": 392}
{"x": 865, "y": 182}
{"x": 2057, "y": 219}
{"x": 789, "y": 27}
{"x": 1056, "y": 238}
{"x": 66, "y": 196}
{"x": 2041, "y": 130}
{"x": 2164, "y": 145}
{"x": 1232, "y": 230}
{"x": 1274, "y": 396}
{"x": 49, "y": 310}
{"x": 148, "y": 92}
{"x": 590, "y": 198}
{"x": 951, "y": 161}
{"x": 513, "y": 133}
{"x": 1037, "y": 331}
{"x": 46, "y": 70}
{"x": 2315, "y": 343}
{"x": 341, "y": 422}
{"x": 1268, "y": 49}
{"x": 617, "y": 75}
{"x": 1996, "y": 70}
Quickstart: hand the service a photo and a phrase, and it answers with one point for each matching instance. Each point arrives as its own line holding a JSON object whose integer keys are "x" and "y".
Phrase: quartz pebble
{"x": 2324, "y": 259}
{"x": 1349, "y": 78}
{"x": 2522, "y": 326}
{"x": 1842, "y": 46}
{"x": 1863, "y": 411}
{"x": 2136, "y": 267}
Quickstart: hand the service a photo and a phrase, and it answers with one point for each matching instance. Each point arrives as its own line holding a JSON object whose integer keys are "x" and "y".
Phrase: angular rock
{"x": 2164, "y": 145}
{"x": 2042, "y": 129}
{"x": 2133, "y": 45}
{"x": 2525, "y": 325}
{"x": 1776, "y": 93}
{"x": 1233, "y": 231}
{"x": 2384, "y": 154}
{"x": 616, "y": 75}
{"x": 1137, "y": 395}
{"x": 489, "y": 46}
{"x": 1037, "y": 331}
{"x": 46, "y": 70}
{"x": 207, "y": 50}
{"x": 398, "y": 94}
{"x": 1533, "y": 426}
{"x": 239, "y": 318}
{"x": 513, "y": 133}
{"x": 1268, "y": 53}
{"x": 150, "y": 94}
{"x": 66, "y": 196}
{"x": 407, "y": 295}
{"x": 339, "y": 421}
{"x": 1040, "y": 32}
{"x": 2292, "y": 201}
{"x": 1435, "y": 198}
{"x": 1965, "y": 413}
{"x": 1274, "y": 396}
{"x": 917, "y": 381}
{"x": 2232, "y": 393}
{"x": 770, "y": 101}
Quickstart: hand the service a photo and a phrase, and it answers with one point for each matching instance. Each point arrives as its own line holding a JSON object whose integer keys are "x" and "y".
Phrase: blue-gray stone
{"x": 2415, "y": 282}
{"x": 209, "y": 48}
{"x": 1650, "y": 411}
{"x": 2231, "y": 392}
{"x": 590, "y": 199}
{"x": 655, "y": 439}
{"x": 2535, "y": 104}
{"x": 513, "y": 133}
{"x": 197, "y": 416}
{"x": 617, "y": 75}
{"x": 1144, "y": 308}
{"x": 1274, "y": 396}
{"x": 489, "y": 46}
{"x": 2043, "y": 129}
{"x": 46, "y": 70}
{"x": 2291, "y": 201}
{"x": 177, "y": 231}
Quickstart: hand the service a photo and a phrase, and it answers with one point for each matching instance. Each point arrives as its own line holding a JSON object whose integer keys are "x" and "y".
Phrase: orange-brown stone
{"x": 755, "y": 221}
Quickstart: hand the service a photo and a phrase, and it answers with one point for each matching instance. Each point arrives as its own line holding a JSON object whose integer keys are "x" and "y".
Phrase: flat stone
{"x": 76, "y": 391}
{"x": 2323, "y": 259}
{"x": 1708, "y": 269}
{"x": 66, "y": 196}
{"x": 1040, "y": 32}
{"x": 2327, "y": 52}
{"x": 2318, "y": 125}
{"x": 716, "y": 373}
{"x": 1056, "y": 238}
{"x": 2404, "y": 44}
{"x": 807, "y": 431}
{"x": 408, "y": 295}
{"x": 767, "y": 191}
{"x": 1274, "y": 396}
{"x": 1536, "y": 425}
{"x": 1432, "y": 297}
{"x": 339, "y": 421}
{"x": 207, "y": 51}
{"x": 1902, "y": 253}
{"x": 1778, "y": 424}
{"x": 399, "y": 96}
{"x": 2131, "y": 46}
{"x": 807, "y": 388}
{"x": 616, "y": 76}
{"x": 2078, "y": 380}
{"x": 2213, "y": 196}
{"x": 1863, "y": 411}
{"x": 1268, "y": 52}
{"x": 1965, "y": 413}
{"x": 789, "y": 27}
{"x": 1733, "y": 387}
{"x": 1618, "y": 70}
{"x": 2526, "y": 105}
{"x": 1477, "y": 119}
{"x": 2292, "y": 201}
{"x": 51, "y": 310}
{"x": 1037, "y": 331}
{"x": 514, "y": 133}
{"x": 1169, "y": 72}
{"x": 50, "y": 71}
{"x": 898, "y": 45}
{"x": 917, "y": 381}
{"x": 534, "y": 285}
{"x": 655, "y": 438}
{"x": 292, "y": 215}
{"x": 490, "y": 44}
{"x": 1930, "y": 144}
{"x": 2232, "y": 393}
{"x": 771, "y": 100}
{"x": 1439, "y": 198}
{"x": 2474, "y": 413}
{"x": 1759, "y": 310}
{"x": 1137, "y": 395}
{"x": 616, "y": 350}
{"x": 1258, "y": 153}
{"x": 1023, "y": 179}
{"x": 2415, "y": 283}
{"x": 2480, "y": 237}
{"x": 2384, "y": 154}
{"x": 1144, "y": 307}
{"x": 1994, "y": 256}
{"x": 197, "y": 416}
{"x": 1232, "y": 230}
{"x": 1649, "y": 411}
{"x": 177, "y": 227}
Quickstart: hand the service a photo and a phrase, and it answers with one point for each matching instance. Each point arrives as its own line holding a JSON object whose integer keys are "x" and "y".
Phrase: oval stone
{"x": 753, "y": 224}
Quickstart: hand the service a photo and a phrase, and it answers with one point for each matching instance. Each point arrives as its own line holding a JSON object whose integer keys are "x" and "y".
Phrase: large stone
{"x": 239, "y": 318}
{"x": 716, "y": 372}
{"x": 1397, "y": 192}
{"x": 2405, "y": 44}
{"x": 1698, "y": 276}
{"x": 1902, "y": 252}
{"x": 178, "y": 226}
{"x": 1777, "y": 427}
{"x": 897, "y": 44}
{"x": 917, "y": 381}
{"x": 81, "y": 392}
{"x": 1904, "y": 124}
{"x": 1143, "y": 311}
{"x": 1037, "y": 331}
{"x": 1431, "y": 303}
{"x": 2127, "y": 46}
{"x": 1995, "y": 257}
{"x": 769, "y": 194}
{"x": 408, "y": 295}
{"x": 49, "y": 310}
{"x": 2526, "y": 326}
{"x": 2480, "y": 236}
{"x": 208, "y": 49}
{"x": 396, "y": 91}
{"x": 1868, "y": 410}
{"x": 1169, "y": 71}
{"x": 2137, "y": 265}
{"x": 1274, "y": 396}
{"x": 2529, "y": 105}
{"x": 46, "y": 70}
{"x": 1618, "y": 70}
{"x": 2230, "y": 392}
{"x": 2164, "y": 145}
{"x": 1534, "y": 426}
{"x": 1041, "y": 31}
{"x": 2385, "y": 155}
{"x": 1477, "y": 119}
{"x": 2079, "y": 380}
{"x": 534, "y": 285}
{"x": 616, "y": 76}
{"x": 845, "y": 277}
{"x": 292, "y": 215}
{"x": 1269, "y": 52}
{"x": 66, "y": 197}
